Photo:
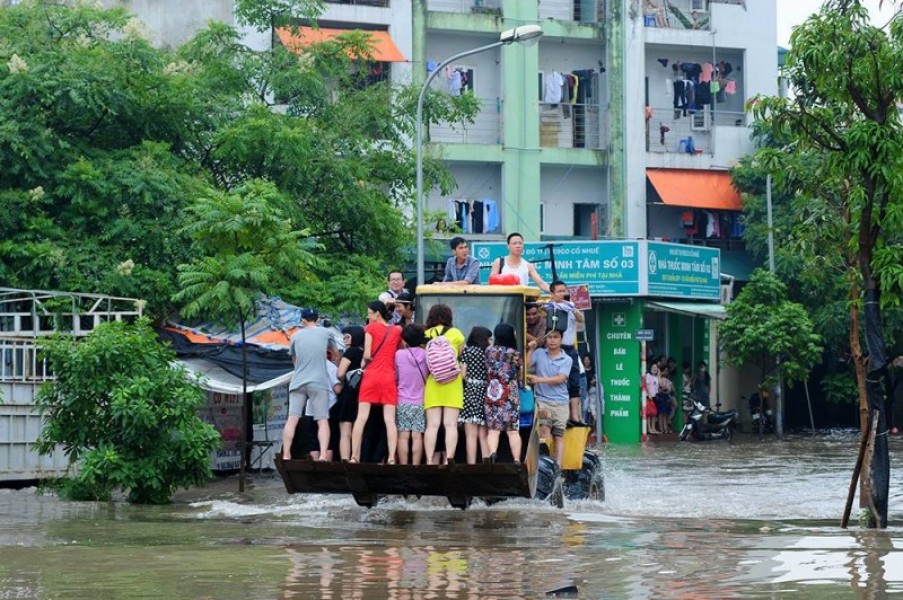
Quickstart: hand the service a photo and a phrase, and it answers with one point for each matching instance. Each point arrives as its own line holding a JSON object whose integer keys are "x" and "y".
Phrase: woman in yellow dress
{"x": 442, "y": 401}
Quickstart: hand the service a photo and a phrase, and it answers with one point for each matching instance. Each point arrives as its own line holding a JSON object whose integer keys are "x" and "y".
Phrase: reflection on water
{"x": 741, "y": 520}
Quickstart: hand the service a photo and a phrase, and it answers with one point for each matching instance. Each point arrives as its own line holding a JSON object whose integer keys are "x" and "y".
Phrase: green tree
{"x": 125, "y": 416}
{"x": 245, "y": 249}
{"x": 843, "y": 122}
{"x": 104, "y": 140}
{"x": 765, "y": 329}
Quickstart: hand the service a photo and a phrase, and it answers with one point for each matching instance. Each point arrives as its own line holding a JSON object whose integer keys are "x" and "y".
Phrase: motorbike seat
{"x": 722, "y": 416}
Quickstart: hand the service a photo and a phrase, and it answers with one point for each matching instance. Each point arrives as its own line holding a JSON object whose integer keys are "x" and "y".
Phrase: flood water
{"x": 746, "y": 519}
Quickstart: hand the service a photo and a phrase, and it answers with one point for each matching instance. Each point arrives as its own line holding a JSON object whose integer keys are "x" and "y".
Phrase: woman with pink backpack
{"x": 444, "y": 394}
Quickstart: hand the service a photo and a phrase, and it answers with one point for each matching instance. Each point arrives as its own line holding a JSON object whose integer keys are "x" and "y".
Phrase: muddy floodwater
{"x": 747, "y": 519}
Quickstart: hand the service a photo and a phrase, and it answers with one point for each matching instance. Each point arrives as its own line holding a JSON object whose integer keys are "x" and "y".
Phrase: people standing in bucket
{"x": 502, "y": 400}
{"x": 442, "y": 401}
{"x": 473, "y": 368}
{"x": 378, "y": 384}
{"x": 353, "y": 337}
{"x": 410, "y": 364}
{"x": 551, "y": 367}
{"x": 516, "y": 264}
{"x": 310, "y": 382}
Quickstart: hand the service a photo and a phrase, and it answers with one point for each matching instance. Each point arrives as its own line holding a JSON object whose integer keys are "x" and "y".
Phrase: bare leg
{"x": 345, "y": 439}
{"x": 559, "y": 449}
{"x": 514, "y": 442}
{"x": 471, "y": 437}
{"x": 391, "y": 433}
{"x": 433, "y": 420}
{"x": 357, "y": 432}
{"x": 404, "y": 439}
{"x": 492, "y": 442}
{"x": 484, "y": 444}
{"x": 323, "y": 437}
{"x": 288, "y": 436}
{"x": 417, "y": 450}
{"x": 450, "y": 420}
{"x": 574, "y": 406}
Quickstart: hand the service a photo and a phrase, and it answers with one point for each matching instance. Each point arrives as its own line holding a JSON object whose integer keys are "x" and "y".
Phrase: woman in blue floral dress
{"x": 502, "y": 401}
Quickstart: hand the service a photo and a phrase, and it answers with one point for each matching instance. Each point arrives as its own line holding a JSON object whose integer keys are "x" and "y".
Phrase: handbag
{"x": 527, "y": 401}
{"x": 354, "y": 376}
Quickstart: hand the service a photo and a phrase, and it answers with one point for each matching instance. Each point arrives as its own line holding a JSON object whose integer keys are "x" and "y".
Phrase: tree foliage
{"x": 845, "y": 142}
{"x": 765, "y": 329}
{"x": 125, "y": 416}
{"x": 105, "y": 141}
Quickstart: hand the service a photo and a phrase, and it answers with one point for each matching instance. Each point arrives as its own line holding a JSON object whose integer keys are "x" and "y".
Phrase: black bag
{"x": 556, "y": 319}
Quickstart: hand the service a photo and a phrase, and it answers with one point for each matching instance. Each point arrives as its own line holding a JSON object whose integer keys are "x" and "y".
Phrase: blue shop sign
{"x": 615, "y": 268}
{"x": 609, "y": 268}
{"x": 683, "y": 271}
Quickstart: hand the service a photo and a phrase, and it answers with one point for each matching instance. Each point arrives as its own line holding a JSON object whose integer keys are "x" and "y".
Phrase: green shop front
{"x": 645, "y": 295}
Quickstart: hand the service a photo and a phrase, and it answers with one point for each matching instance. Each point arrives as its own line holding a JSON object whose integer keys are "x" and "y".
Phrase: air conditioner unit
{"x": 726, "y": 293}
{"x": 701, "y": 120}
{"x": 700, "y": 5}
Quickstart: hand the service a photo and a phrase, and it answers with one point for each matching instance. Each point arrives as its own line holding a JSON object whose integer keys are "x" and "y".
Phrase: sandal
{"x": 352, "y": 460}
{"x": 391, "y": 461}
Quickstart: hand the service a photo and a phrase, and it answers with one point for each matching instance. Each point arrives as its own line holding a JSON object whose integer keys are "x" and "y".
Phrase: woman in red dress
{"x": 378, "y": 386}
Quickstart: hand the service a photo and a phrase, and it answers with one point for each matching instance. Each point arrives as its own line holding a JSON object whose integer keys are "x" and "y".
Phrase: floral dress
{"x": 474, "y": 385}
{"x": 502, "y": 399}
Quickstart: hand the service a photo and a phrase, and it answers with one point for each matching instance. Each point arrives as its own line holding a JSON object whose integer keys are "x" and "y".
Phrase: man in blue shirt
{"x": 461, "y": 268}
{"x": 550, "y": 367}
{"x": 558, "y": 290}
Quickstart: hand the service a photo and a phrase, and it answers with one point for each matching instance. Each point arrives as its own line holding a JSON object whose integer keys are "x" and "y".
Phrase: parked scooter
{"x": 763, "y": 421}
{"x": 703, "y": 424}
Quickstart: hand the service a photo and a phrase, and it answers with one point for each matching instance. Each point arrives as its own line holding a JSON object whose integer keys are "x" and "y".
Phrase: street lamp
{"x": 527, "y": 35}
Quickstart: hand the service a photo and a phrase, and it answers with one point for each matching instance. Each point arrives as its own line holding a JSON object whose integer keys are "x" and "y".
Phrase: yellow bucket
{"x": 574, "y": 444}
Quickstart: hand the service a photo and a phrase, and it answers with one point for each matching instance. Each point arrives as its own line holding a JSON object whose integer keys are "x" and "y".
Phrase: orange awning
{"x": 695, "y": 188}
{"x": 382, "y": 48}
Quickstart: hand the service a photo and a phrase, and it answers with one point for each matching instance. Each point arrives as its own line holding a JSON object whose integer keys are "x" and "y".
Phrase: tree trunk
{"x": 243, "y": 444}
{"x": 859, "y": 366}
{"x": 877, "y": 366}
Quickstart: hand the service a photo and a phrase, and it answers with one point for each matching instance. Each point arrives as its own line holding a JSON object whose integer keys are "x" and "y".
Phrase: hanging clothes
{"x": 553, "y": 87}
{"x": 491, "y": 221}
{"x": 477, "y": 215}
{"x": 705, "y": 74}
{"x": 453, "y": 82}
{"x": 730, "y": 87}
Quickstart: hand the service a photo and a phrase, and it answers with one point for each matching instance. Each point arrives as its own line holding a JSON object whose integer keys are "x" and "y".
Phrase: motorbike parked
{"x": 704, "y": 425}
{"x": 762, "y": 420}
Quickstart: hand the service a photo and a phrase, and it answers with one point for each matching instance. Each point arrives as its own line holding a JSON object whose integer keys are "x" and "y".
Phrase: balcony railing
{"x": 572, "y": 126}
{"x": 491, "y": 7}
{"x": 582, "y": 11}
{"x": 486, "y": 128}
{"x": 677, "y": 14}
{"x": 687, "y": 131}
{"x": 378, "y": 3}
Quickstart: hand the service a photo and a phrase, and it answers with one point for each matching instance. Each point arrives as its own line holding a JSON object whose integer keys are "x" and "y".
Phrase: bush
{"x": 125, "y": 416}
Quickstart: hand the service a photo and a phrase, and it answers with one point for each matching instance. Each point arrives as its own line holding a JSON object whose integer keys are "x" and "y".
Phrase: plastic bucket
{"x": 574, "y": 444}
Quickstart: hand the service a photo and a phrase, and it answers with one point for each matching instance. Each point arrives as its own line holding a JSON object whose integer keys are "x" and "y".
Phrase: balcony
{"x": 377, "y": 3}
{"x": 580, "y": 11}
{"x": 670, "y": 130}
{"x": 486, "y": 128}
{"x": 572, "y": 126}
{"x": 487, "y": 7}
{"x": 677, "y": 14}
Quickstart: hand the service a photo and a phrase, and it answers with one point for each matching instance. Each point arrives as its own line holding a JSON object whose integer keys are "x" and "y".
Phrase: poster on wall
{"x": 223, "y": 411}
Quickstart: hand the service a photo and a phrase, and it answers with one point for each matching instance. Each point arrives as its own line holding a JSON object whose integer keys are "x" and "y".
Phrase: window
{"x": 464, "y": 74}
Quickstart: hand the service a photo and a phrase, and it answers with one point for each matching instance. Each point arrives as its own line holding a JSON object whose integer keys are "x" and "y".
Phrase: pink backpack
{"x": 442, "y": 360}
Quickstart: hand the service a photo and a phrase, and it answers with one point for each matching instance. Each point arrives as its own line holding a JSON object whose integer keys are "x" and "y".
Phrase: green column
{"x": 675, "y": 350}
{"x": 619, "y": 369}
{"x": 418, "y": 42}
{"x": 520, "y": 113}
{"x": 617, "y": 77}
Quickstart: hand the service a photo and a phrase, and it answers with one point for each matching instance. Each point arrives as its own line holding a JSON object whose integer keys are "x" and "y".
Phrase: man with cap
{"x": 404, "y": 306}
{"x": 461, "y": 268}
{"x": 310, "y": 383}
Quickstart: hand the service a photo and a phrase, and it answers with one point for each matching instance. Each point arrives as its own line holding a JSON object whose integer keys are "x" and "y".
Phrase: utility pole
{"x": 778, "y": 399}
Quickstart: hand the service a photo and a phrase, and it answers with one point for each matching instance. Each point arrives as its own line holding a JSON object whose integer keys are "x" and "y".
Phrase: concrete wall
{"x": 173, "y": 22}
{"x": 563, "y": 187}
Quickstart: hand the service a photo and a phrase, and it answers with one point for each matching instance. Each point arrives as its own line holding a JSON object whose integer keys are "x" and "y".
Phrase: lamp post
{"x": 526, "y": 34}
